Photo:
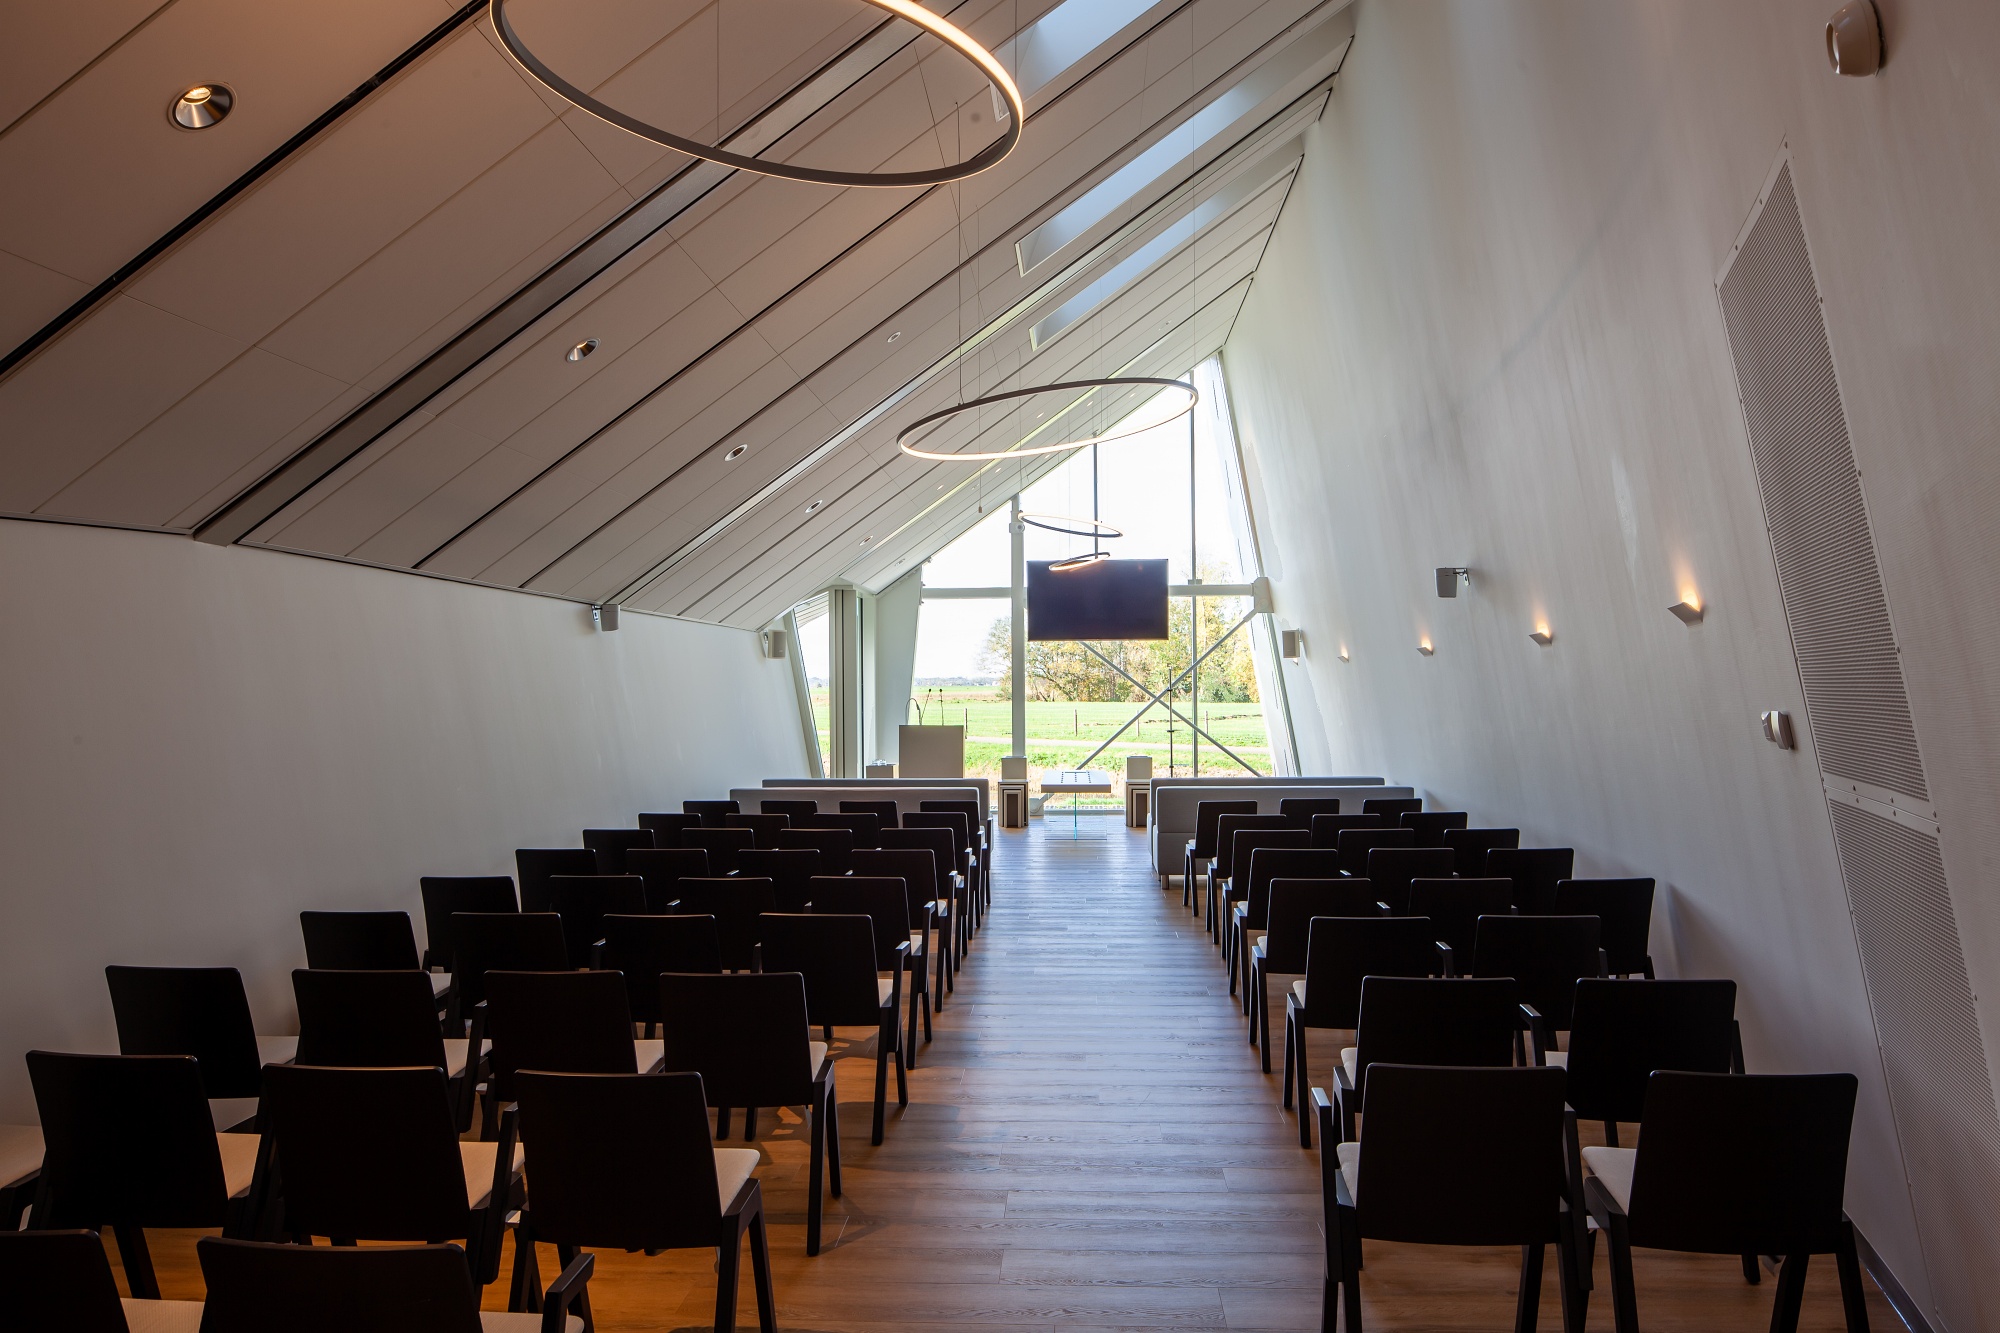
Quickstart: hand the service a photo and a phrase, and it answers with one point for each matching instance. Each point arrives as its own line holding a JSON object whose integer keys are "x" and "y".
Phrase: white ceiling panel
{"x": 29, "y": 294}
{"x": 49, "y": 44}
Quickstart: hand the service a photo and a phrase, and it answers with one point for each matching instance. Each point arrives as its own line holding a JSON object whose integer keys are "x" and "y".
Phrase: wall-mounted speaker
{"x": 606, "y": 615}
{"x": 776, "y": 643}
{"x": 1291, "y": 644}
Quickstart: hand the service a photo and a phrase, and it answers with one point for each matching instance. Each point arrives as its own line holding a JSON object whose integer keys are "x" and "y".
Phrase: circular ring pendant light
{"x": 908, "y": 10}
{"x": 1051, "y": 523}
{"x": 906, "y": 436}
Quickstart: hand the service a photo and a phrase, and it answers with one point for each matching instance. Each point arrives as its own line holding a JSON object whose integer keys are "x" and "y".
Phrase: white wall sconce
{"x": 1778, "y": 729}
{"x": 1343, "y": 652}
{"x": 1291, "y": 644}
{"x": 606, "y": 616}
{"x": 1854, "y": 39}
{"x": 1688, "y": 609}
{"x": 1540, "y": 634}
{"x": 1450, "y": 576}
{"x": 1424, "y": 647}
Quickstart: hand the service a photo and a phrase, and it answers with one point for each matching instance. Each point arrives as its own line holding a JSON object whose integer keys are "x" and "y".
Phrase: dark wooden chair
{"x": 1326, "y": 829}
{"x": 503, "y": 942}
{"x": 1743, "y": 1164}
{"x": 948, "y": 907}
{"x": 1430, "y": 826}
{"x": 566, "y": 1022}
{"x": 1340, "y": 951}
{"x": 1547, "y": 955}
{"x": 1200, "y": 849}
{"x": 884, "y": 900}
{"x": 1247, "y": 922}
{"x": 1301, "y": 809}
{"x": 763, "y": 828}
{"x": 1281, "y": 950}
{"x": 795, "y": 809}
{"x": 916, "y": 869}
{"x": 1625, "y": 909}
{"x": 885, "y": 812}
{"x": 748, "y": 1038}
{"x": 583, "y": 901}
{"x": 982, "y": 868}
{"x": 1621, "y": 1031}
{"x": 710, "y": 812}
{"x": 352, "y": 1019}
{"x": 61, "y": 1280}
{"x": 1535, "y": 872}
{"x": 788, "y": 868}
{"x": 723, "y": 845}
{"x": 668, "y": 827}
{"x": 834, "y": 845}
{"x": 1453, "y": 1157}
{"x": 625, "y": 1162}
{"x": 836, "y": 956}
{"x": 865, "y": 828}
{"x": 1392, "y": 808}
{"x": 662, "y": 869}
{"x": 445, "y": 894}
{"x": 1221, "y": 865}
{"x": 1356, "y": 843}
{"x": 1455, "y": 906}
{"x": 534, "y": 866}
{"x": 202, "y": 1012}
{"x": 1226, "y": 890}
{"x": 370, "y": 942}
{"x": 1472, "y": 844}
{"x": 609, "y": 845}
{"x": 1455, "y": 1021}
{"x": 641, "y": 948}
{"x": 737, "y": 903}
{"x": 964, "y": 860}
{"x": 1390, "y": 870}
{"x": 129, "y": 1144}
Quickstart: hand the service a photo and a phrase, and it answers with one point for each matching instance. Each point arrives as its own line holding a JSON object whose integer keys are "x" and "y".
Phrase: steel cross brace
{"x": 1160, "y": 699}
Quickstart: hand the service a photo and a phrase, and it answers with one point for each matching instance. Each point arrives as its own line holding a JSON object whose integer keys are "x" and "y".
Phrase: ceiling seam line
{"x": 88, "y": 66}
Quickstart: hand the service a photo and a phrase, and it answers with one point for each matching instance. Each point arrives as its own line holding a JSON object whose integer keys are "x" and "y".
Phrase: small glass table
{"x": 1078, "y": 783}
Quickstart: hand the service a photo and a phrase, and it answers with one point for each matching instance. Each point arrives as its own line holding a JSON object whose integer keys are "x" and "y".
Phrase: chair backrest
{"x": 1625, "y": 907}
{"x": 197, "y": 1011}
{"x": 1535, "y": 872}
{"x": 723, "y": 845}
{"x": 663, "y": 868}
{"x": 640, "y": 948}
{"x": 535, "y": 866}
{"x": 867, "y": 829}
{"x": 583, "y": 901}
{"x": 667, "y": 828}
{"x": 367, "y": 1018}
{"x": 711, "y": 812}
{"x": 1472, "y": 844}
{"x": 834, "y": 845}
{"x": 1356, "y": 843}
{"x": 1326, "y": 829}
{"x": 1267, "y": 863}
{"x": 1392, "y": 869}
{"x": 1621, "y": 1031}
{"x": 569, "y": 1022}
{"x": 916, "y": 867}
{"x": 1546, "y": 954}
{"x": 445, "y": 894}
{"x": 127, "y": 1139}
{"x": 970, "y": 809}
{"x": 254, "y": 1287}
{"x": 736, "y": 903}
{"x": 372, "y": 940}
{"x": 881, "y": 899}
{"x": 1742, "y": 1163}
{"x": 609, "y": 845}
{"x": 1245, "y": 843}
{"x": 795, "y": 809}
{"x": 788, "y": 869}
{"x": 1294, "y": 904}
{"x": 1341, "y": 950}
{"x": 504, "y": 942}
{"x": 763, "y": 828}
{"x": 1226, "y": 828}
{"x": 368, "y": 1154}
{"x": 746, "y": 1034}
{"x": 947, "y": 855}
{"x": 622, "y": 1161}
{"x": 836, "y": 956}
{"x": 1455, "y": 906}
{"x": 1430, "y": 825}
{"x": 59, "y": 1280}
{"x": 1206, "y": 817}
{"x": 1462, "y": 1156}
{"x": 1436, "y": 1021}
{"x": 884, "y": 811}
{"x": 1392, "y": 808}
{"x": 953, "y": 822}
{"x": 1301, "y": 809}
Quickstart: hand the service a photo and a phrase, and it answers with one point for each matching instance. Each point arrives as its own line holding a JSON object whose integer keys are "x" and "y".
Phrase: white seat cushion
{"x": 733, "y": 1166}
{"x": 1349, "y": 1155}
{"x": 239, "y": 1162}
{"x": 500, "y": 1321}
{"x": 1350, "y": 1060}
{"x": 1558, "y": 1059}
{"x": 1613, "y": 1169}
{"x": 649, "y": 1053}
{"x": 477, "y": 1161}
{"x": 816, "y": 1055}
{"x": 1299, "y": 991}
{"x": 229, "y": 1112}
{"x": 277, "y": 1050}
{"x": 883, "y": 989}
{"x": 454, "y": 1054}
{"x": 440, "y": 983}
{"x": 20, "y": 1152}
{"x": 163, "y": 1316}
{"x": 916, "y": 943}
{"x": 1257, "y": 940}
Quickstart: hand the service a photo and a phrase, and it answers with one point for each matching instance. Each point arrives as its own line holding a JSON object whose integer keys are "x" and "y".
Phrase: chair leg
{"x": 1853, "y": 1295}
{"x": 760, "y": 1273}
{"x": 1291, "y": 1036}
{"x": 1791, "y": 1294}
{"x": 1528, "y": 1305}
{"x": 749, "y": 1123}
{"x": 927, "y": 1013}
{"x": 890, "y": 1031}
{"x": 138, "y": 1261}
{"x": 911, "y": 1044}
{"x": 721, "y": 1123}
{"x": 524, "y": 1295}
{"x": 728, "y": 1261}
{"x": 1575, "y": 1296}
{"x": 1753, "y": 1272}
{"x": 1611, "y": 1133}
{"x": 881, "y": 1091}
{"x": 832, "y": 1140}
{"x": 1264, "y": 1017}
{"x": 1302, "y": 1088}
{"x": 815, "y": 1174}
{"x": 1252, "y": 975}
{"x": 1624, "y": 1294}
{"x": 565, "y": 1256}
{"x": 1350, "y": 1274}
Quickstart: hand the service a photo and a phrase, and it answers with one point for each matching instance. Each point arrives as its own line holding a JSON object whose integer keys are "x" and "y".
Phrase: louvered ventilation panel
{"x": 1858, "y": 715}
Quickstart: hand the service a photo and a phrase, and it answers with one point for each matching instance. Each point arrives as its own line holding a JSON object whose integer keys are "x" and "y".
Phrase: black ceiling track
{"x": 271, "y": 162}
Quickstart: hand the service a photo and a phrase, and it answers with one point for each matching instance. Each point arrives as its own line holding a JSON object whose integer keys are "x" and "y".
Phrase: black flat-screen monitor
{"x": 1108, "y": 599}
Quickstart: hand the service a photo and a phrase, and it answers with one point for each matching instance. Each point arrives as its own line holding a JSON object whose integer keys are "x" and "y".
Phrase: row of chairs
{"x": 1492, "y": 1006}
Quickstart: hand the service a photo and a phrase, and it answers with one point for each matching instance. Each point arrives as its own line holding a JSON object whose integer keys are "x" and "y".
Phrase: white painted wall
{"x": 198, "y": 742}
{"x": 1486, "y": 333}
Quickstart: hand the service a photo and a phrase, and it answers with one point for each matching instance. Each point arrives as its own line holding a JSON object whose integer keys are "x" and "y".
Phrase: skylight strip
{"x": 1066, "y": 34}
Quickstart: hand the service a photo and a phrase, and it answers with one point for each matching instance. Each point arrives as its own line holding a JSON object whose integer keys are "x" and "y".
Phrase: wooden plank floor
{"x": 1090, "y": 1145}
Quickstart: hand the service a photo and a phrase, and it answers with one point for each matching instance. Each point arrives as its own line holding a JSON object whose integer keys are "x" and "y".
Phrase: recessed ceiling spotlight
{"x": 813, "y": 508}
{"x": 736, "y": 453}
{"x": 897, "y": 334}
{"x": 201, "y": 106}
{"x": 582, "y": 349}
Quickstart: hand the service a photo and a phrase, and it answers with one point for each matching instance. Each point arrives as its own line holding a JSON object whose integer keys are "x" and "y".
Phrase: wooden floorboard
{"x": 1090, "y": 1145}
